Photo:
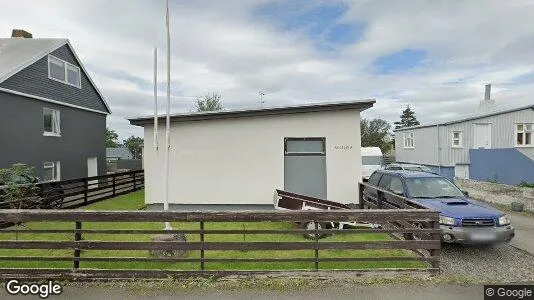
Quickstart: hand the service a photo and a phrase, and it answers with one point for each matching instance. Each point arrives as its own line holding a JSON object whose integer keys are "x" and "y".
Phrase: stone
{"x": 169, "y": 252}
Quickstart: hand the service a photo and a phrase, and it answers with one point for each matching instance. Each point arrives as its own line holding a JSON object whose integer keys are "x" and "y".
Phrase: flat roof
{"x": 469, "y": 118}
{"x": 274, "y": 110}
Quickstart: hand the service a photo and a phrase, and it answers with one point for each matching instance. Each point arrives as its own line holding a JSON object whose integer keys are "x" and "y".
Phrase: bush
{"x": 15, "y": 192}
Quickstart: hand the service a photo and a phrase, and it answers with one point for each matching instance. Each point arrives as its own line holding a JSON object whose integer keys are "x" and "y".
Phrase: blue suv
{"x": 462, "y": 220}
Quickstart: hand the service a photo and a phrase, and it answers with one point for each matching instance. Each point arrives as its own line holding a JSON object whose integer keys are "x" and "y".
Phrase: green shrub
{"x": 526, "y": 184}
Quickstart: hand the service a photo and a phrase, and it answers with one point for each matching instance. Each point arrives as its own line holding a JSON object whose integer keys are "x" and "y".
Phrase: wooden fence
{"x": 79, "y": 192}
{"x": 90, "y": 244}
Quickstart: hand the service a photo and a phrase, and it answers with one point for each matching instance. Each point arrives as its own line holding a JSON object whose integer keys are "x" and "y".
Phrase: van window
{"x": 372, "y": 160}
{"x": 373, "y": 180}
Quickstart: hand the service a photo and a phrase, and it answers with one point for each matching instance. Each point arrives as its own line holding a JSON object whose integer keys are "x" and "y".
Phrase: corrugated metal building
{"x": 490, "y": 146}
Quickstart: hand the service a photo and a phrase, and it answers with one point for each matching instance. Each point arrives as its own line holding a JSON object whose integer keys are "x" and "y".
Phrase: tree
{"x": 111, "y": 138}
{"x": 135, "y": 145}
{"x": 407, "y": 119}
{"x": 209, "y": 102}
{"x": 376, "y": 133}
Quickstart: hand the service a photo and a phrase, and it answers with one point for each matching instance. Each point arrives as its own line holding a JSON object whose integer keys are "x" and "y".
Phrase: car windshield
{"x": 432, "y": 187}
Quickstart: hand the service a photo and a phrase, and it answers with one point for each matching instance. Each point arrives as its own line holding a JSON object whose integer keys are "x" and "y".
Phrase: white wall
{"x": 241, "y": 160}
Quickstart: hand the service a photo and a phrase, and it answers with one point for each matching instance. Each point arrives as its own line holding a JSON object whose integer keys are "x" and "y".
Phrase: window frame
{"x": 66, "y": 66}
{"x": 56, "y": 170}
{"x": 56, "y": 122}
{"x": 289, "y": 139}
{"x": 460, "y": 139}
{"x": 524, "y": 131}
{"x": 406, "y": 137}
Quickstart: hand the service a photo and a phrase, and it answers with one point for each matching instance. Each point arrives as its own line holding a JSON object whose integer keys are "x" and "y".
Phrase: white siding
{"x": 424, "y": 151}
{"x": 241, "y": 160}
{"x": 502, "y": 136}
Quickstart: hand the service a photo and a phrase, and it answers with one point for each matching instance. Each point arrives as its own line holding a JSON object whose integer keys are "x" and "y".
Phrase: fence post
{"x": 77, "y": 237}
{"x": 114, "y": 183}
{"x": 360, "y": 190}
{"x": 436, "y": 252}
{"x": 202, "y": 245}
{"x": 316, "y": 237}
{"x": 134, "y": 183}
{"x": 85, "y": 189}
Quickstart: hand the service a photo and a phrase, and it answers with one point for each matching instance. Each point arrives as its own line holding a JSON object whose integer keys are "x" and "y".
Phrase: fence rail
{"x": 74, "y": 193}
{"x": 209, "y": 244}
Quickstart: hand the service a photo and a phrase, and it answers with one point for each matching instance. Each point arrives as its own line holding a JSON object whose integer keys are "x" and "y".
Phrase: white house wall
{"x": 241, "y": 160}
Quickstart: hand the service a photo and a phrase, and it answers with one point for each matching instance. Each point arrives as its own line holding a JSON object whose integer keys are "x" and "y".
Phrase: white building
{"x": 492, "y": 145}
{"x": 236, "y": 159}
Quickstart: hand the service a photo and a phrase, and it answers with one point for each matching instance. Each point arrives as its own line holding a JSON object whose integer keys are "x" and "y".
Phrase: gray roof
{"x": 275, "y": 110}
{"x": 469, "y": 118}
{"x": 120, "y": 152}
{"x": 19, "y": 53}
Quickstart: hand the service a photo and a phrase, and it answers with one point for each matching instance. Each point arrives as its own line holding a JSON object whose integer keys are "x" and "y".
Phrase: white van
{"x": 371, "y": 161}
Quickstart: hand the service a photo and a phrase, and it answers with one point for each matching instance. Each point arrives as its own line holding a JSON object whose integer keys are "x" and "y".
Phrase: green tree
{"x": 407, "y": 119}
{"x": 135, "y": 145}
{"x": 376, "y": 133}
{"x": 209, "y": 102}
{"x": 111, "y": 138}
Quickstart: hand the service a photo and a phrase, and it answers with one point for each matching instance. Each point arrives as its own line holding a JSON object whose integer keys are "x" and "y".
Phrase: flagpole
{"x": 168, "y": 120}
{"x": 156, "y": 145}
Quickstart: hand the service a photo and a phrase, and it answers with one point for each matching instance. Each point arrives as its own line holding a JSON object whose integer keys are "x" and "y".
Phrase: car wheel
{"x": 52, "y": 199}
{"x": 311, "y": 226}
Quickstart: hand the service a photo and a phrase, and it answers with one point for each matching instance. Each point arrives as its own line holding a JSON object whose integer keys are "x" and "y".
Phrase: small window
{"x": 373, "y": 180}
{"x": 305, "y": 146}
{"x": 395, "y": 186}
{"x": 51, "y": 124}
{"x": 523, "y": 135}
{"x": 456, "y": 139}
{"x": 51, "y": 171}
{"x": 63, "y": 71}
{"x": 384, "y": 182}
{"x": 409, "y": 140}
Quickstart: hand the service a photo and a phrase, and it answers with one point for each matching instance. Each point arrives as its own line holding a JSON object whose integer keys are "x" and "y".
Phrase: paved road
{"x": 397, "y": 292}
{"x": 524, "y": 232}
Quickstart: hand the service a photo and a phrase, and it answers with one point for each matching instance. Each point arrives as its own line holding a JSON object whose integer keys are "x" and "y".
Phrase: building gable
{"x": 33, "y": 80}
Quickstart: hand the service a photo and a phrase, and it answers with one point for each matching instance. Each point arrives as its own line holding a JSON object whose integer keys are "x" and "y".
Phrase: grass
{"x": 135, "y": 201}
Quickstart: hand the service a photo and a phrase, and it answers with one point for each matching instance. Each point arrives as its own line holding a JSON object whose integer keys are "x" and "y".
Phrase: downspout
{"x": 438, "y": 150}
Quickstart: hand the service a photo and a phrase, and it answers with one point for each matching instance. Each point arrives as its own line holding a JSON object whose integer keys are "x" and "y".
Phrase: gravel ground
{"x": 497, "y": 263}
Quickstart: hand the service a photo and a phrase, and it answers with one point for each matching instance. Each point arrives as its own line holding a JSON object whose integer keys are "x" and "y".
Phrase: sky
{"x": 435, "y": 56}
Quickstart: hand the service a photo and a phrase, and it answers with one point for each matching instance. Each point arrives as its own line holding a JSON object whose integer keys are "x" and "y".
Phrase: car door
{"x": 395, "y": 188}
{"x": 369, "y": 193}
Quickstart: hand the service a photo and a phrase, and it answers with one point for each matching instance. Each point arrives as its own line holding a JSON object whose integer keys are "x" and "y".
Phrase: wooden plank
{"x": 229, "y": 260}
{"x": 98, "y": 245}
{"x": 230, "y": 231}
{"x": 384, "y": 215}
{"x": 92, "y": 274}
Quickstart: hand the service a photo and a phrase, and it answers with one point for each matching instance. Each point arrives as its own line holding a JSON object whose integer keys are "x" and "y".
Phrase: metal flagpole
{"x": 156, "y": 144}
{"x": 168, "y": 120}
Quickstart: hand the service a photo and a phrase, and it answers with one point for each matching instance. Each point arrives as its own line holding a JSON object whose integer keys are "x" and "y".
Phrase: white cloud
{"x": 222, "y": 46}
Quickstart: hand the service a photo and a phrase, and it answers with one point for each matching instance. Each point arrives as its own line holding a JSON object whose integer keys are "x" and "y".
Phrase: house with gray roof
{"x": 52, "y": 115}
{"x": 495, "y": 144}
{"x": 118, "y": 153}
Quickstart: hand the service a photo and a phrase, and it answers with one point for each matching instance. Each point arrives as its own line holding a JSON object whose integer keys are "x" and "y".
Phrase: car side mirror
{"x": 466, "y": 193}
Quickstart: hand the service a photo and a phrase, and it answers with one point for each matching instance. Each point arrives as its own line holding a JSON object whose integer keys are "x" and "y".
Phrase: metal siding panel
{"x": 82, "y": 136}
{"x": 425, "y": 152}
{"x": 34, "y": 80}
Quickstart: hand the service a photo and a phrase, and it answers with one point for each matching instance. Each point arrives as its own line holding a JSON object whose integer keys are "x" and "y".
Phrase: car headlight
{"x": 446, "y": 220}
{"x": 504, "y": 221}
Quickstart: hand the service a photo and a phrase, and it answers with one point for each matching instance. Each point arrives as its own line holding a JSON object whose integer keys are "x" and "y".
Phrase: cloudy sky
{"x": 433, "y": 55}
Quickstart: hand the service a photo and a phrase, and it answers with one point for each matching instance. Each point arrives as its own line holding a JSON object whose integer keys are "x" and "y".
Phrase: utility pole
{"x": 168, "y": 121}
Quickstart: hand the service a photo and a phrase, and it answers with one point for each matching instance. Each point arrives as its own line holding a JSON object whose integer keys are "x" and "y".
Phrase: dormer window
{"x": 63, "y": 71}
